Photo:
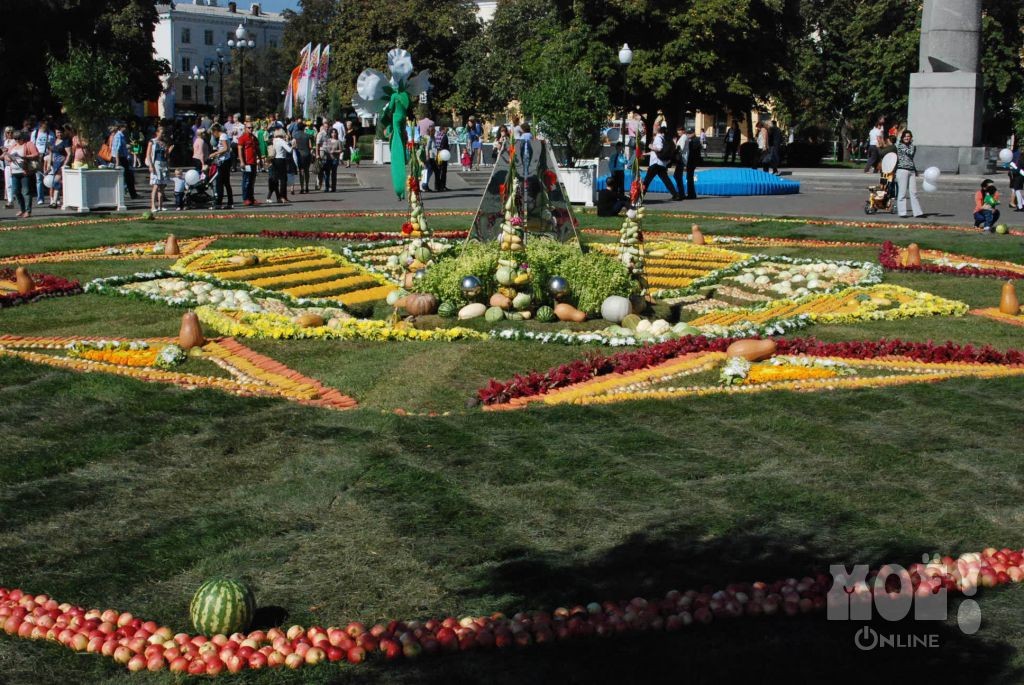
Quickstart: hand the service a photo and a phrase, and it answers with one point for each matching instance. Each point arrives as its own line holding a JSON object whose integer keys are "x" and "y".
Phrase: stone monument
{"x": 946, "y": 93}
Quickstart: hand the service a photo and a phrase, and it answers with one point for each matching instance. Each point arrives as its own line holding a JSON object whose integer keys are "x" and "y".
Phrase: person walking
{"x": 222, "y": 156}
{"x": 761, "y": 138}
{"x": 247, "y": 156}
{"x": 682, "y": 142}
{"x": 429, "y": 158}
{"x": 157, "y": 154}
{"x": 262, "y": 143}
{"x": 773, "y": 138}
{"x": 303, "y": 157}
{"x": 732, "y": 142}
{"x": 58, "y": 158}
{"x": 694, "y": 157}
{"x": 23, "y": 160}
{"x": 9, "y": 142}
{"x": 617, "y": 168}
{"x": 330, "y": 154}
{"x": 441, "y": 144}
{"x": 318, "y": 154}
{"x": 906, "y": 175}
{"x": 43, "y": 139}
{"x": 662, "y": 152}
{"x": 874, "y": 138}
{"x": 282, "y": 151}
{"x": 475, "y": 134}
{"x": 120, "y": 155}
{"x": 200, "y": 150}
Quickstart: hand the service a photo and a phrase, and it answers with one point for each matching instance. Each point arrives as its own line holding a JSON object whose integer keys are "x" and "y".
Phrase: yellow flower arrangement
{"x": 330, "y": 287}
{"x": 302, "y": 277}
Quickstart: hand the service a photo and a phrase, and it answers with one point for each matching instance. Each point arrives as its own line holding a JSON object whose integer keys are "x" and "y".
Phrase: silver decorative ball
{"x": 471, "y": 286}
{"x": 420, "y": 273}
{"x": 558, "y": 286}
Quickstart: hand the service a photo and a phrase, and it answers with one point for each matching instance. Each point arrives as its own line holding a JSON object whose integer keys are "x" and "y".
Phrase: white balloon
{"x": 928, "y": 186}
{"x": 932, "y": 173}
{"x": 444, "y": 155}
{"x": 1006, "y": 155}
{"x": 48, "y": 180}
{"x": 192, "y": 177}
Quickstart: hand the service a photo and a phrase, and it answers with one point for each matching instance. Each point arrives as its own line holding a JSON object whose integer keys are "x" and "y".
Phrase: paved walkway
{"x": 829, "y": 193}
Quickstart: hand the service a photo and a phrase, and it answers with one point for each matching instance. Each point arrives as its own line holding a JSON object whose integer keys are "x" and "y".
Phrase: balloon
{"x": 444, "y": 155}
{"x": 932, "y": 173}
{"x": 929, "y": 187}
{"x": 192, "y": 177}
{"x": 1006, "y": 156}
{"x": 48, "y": 180}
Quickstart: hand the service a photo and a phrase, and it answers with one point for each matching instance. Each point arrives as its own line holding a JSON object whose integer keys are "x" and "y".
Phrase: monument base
{"x": 954, "y": 160}
{"x": 945, "y": 108}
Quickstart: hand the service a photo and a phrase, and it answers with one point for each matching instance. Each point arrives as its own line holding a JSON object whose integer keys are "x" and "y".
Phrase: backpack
{"x": 667, "y": 153}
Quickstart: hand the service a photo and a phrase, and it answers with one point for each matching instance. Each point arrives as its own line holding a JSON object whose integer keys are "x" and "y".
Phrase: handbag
{"x": 356, "y": 155}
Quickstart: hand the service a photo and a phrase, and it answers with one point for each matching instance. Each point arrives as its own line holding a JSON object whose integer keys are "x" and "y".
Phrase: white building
{"x": 188, "y": 35}
{"x": 485, "y": 11}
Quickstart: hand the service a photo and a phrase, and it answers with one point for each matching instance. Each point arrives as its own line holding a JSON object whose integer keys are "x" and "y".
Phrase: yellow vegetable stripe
{"x": 303, "y": 277}
{"x": 996, "y": 315}
{"x": 274, "y": 269}
{"x": 330, "y": 287}
{"x": 363, "y": 296}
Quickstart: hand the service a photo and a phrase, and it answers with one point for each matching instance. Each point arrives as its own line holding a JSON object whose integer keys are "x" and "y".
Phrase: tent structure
{"x": 548, "y": 211}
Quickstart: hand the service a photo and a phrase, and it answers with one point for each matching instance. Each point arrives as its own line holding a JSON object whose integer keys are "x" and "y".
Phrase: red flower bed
{"x": 46, "y": 286}
{"x": 368, "y": 237}
{"x": 591, "y": 366}
{"x": 889, "y": 257}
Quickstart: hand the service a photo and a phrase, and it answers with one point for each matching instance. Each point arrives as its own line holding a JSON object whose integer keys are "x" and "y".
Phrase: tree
{"x": 92, "y": 88}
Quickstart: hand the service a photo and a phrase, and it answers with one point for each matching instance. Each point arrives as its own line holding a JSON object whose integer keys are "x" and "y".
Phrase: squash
{"x": 447, "y": 309}
{"x": 407, "y": 280}
{"x": 615, "y": 308}
{"x": 503, "y": 275}
{"x": 521, "y": 301}
{"x": 631, "y": 321}
{"x": 191, "y": 333}
{"x": 243, "y": 259}
{"x": 23, "y": 281}
{"x": 566, "y": 312}
{"x": 171, "y": 246}
{"x": 545, "y": 314}
{"x": 494, "y": 314}
{"x": 420, "y": 304}
{"x": 1009, "y": 304}
{"x": 501, "y": 301}
{"x": 472, "y": 311}
{"x": 696, "y": 236}
{"x": 752, "y": 350}
{"x": 308, "y": 320}
{"x": 913, "y": 255}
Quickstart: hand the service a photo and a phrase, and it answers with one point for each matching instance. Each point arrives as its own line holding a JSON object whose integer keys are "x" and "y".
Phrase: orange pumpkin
{"x": 23, "y": 281}
{"x": 420, "y": 304}
{"x": 913, "y": 255}
{"x": 1008, "y": 303}
{"x": 566, "y": 312}
{"x": 171, "y": 246}
{"x": 752, "y": 350}
{"x": 308, "y": 320}
{"x": 499, "y": 300}
{"x": 696, "y": 235}
{"x": 191, "y": 333}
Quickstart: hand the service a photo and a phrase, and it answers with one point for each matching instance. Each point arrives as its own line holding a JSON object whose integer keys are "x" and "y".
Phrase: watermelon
{"x": 447, "y": 309}
{"x": 147, "y": 215}
{"x": 222, "y": 606}
{"x": 545, "y": 314}
{"x": 494, "y": 314}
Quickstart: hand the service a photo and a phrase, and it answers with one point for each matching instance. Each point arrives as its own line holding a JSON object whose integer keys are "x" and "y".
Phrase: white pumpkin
{"x": 472, "y": 311}
{"x": 615, "y": 308}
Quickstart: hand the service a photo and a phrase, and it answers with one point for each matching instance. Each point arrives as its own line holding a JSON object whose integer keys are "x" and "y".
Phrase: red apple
{"x": 156, "y": 663}
{"x": 356, "y": 655}
{"x": 214, "y": 666}
{"x": 136, "y": 663}
{"x": 236, "y": 664}
{"x": 334, "y": 654}
{"x": 257, "y": 661}
{"x": 294, "y": 661}
{"x": 179, "y": 665}
{"x": 391, "y": 648}
{"x": 122, "y": 655}
{"x": 197, "y": 667}
{"x": 275, "y": 659}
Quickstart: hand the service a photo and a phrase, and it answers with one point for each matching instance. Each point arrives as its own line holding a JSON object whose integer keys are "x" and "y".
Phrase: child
{"x": 985, "y": 201}
{"x": 467, "y": 160}
{"x": 179, "y": 191}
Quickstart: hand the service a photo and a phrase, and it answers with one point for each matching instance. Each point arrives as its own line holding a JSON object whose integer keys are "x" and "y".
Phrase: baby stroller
{"x": 882, "y": 197}
{"x": 199, "y": 187}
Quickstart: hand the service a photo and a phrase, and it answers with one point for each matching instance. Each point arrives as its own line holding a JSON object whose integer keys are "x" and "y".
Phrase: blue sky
{"x": 279, "y": 5}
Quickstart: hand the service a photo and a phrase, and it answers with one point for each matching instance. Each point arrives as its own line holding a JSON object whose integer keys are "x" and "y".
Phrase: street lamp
{"x": 625, "y": 59}
{"x": 197, "y": 78}
{"x": 242, "y": 42}
{"x": 222, "y": 62}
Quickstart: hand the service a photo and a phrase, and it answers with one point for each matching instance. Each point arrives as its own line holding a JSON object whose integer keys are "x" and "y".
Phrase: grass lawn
{"x": 116, "y": 493}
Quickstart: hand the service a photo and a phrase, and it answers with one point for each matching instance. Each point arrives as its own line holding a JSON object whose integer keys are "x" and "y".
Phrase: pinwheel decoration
{"x": 391, "y": 98}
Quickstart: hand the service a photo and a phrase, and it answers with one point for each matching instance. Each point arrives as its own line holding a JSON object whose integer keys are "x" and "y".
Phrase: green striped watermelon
{"x": 222, "y": 606}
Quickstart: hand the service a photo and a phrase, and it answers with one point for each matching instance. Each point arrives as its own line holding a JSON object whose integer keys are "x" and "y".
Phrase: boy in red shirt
{"x": 247, "y": 154}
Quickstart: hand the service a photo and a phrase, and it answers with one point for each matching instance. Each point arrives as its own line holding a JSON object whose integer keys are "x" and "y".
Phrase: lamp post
{"x": 197, "y": 78}
{"x": 625, "y": 59}
{"x": 242, "y": 42}
{"x": 222, "y": 62}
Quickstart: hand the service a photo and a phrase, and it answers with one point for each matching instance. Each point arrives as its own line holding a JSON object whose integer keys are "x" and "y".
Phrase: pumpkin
{"x": 447, "y": 309}
{"x": 521, "y": 301}
{"x": 545, "y": 314}
{"x": 615, "y": 308}
{"x": 420, "y": 304}
{"x": 631, "y": 321}
{"x": 308, "y": 320}
{"x": 494, "y": 314}
{"x": 503, "y": 275}
{"x": 913, "y": 255}
{"x": 23, "y": 281}
{"x": 696, "y": 235}
{"x": 171, "y": 246}
{"x": 472, "y": 311}
{"x": 499, "y": 300}
{"x": 191, "y": 334}
{"x": 1008, "y": 303}
{"x": 752, "y": 350}
{"x": 566, "y": 312}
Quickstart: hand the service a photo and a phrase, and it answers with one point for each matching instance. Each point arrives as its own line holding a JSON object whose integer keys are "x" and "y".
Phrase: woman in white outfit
{"x": 906, "y": 175}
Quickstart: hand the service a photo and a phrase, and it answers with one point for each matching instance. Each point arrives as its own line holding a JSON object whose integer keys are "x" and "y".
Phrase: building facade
{"x": 188, "y": 35}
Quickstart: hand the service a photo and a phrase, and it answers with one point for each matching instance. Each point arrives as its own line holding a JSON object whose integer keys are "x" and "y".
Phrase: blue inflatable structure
{"x": 725, "y": 182}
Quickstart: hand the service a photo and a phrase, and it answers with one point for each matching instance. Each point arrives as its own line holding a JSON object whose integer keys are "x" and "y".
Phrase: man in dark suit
{"x": 732, "y": 142}
{"x": 694, "y": 158}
